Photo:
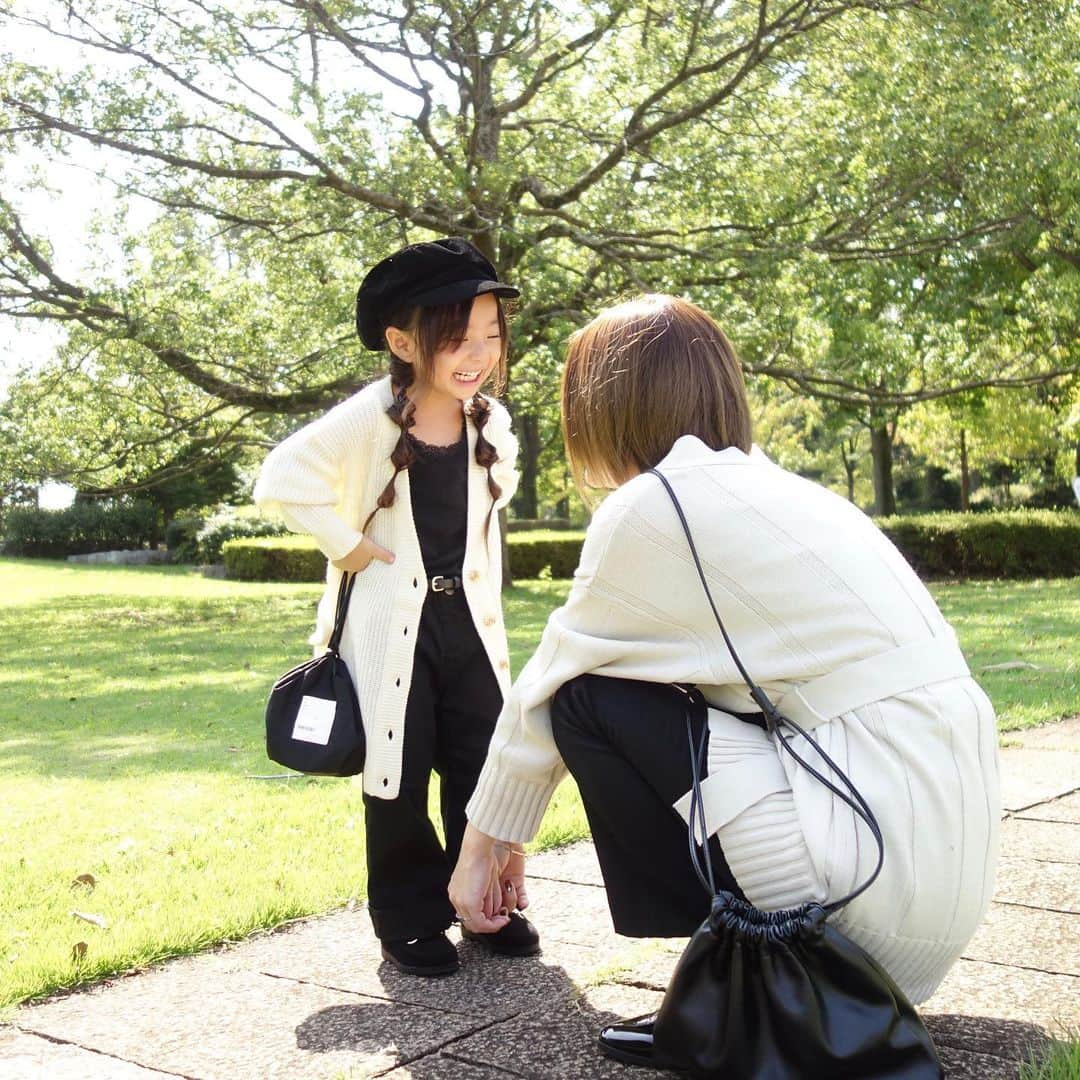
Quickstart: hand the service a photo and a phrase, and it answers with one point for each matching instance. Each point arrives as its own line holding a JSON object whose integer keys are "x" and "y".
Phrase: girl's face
{"x": 460, "y": 368}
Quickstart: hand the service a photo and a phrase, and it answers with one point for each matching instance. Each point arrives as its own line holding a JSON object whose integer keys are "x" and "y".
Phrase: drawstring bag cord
{"x": 776, "y": 724}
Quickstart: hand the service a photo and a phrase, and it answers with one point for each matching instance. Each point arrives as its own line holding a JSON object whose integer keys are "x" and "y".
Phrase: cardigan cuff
{"x": 334, "y": 537}
{"x": 506, "y": 808}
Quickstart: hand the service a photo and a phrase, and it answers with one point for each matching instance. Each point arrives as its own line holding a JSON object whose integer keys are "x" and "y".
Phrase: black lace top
{"x": 439, "y": 482}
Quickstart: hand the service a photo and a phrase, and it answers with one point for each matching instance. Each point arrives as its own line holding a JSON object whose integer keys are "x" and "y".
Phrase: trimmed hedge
{"x": 540, "y": 554}
{"x": 233, "y": 523}
{"x": 274, "y": 558}
{"x": 1007, "y": 544}
{"x": 1010, "y": 544}
{"x": 83, "y": 528}
{"x": 541, "y": 525}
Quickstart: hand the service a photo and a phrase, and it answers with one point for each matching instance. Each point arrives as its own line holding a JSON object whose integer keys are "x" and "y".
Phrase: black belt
{"x": 446, "y": 585}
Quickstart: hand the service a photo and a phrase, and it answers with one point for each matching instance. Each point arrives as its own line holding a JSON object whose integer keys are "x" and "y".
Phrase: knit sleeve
{"x": 597, "y": 630}
{"x": 301, "y": 478}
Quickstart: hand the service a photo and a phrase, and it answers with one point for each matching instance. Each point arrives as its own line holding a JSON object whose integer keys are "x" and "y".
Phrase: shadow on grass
{"x": 100, "y": 686}
{"x": 105, "y": 684}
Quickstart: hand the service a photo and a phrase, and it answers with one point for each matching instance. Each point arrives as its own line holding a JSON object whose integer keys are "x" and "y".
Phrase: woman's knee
{"x": 572, "y": 708}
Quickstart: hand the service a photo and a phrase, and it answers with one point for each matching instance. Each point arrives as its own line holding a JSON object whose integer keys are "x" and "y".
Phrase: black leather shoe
{"x": 631, "y": 1042}
{"x": 517, "y": 938}
{"x": 433, "y": 955}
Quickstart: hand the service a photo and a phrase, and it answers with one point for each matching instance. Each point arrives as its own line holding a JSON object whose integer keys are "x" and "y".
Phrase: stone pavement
{"x": 313, "y": 1000}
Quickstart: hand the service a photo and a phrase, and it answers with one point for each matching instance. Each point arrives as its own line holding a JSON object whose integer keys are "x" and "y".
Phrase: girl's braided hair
{"x": 436, "y": 327}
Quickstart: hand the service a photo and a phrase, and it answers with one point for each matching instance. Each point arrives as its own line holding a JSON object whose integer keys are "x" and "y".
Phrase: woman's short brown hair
{"x": 641, "y": 375}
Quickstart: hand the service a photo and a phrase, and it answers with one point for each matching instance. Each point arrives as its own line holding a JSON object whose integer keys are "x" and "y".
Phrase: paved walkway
{"x": 314, "y": 1000}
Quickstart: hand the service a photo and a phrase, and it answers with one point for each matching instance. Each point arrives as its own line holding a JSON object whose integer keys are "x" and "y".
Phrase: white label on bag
{"x": 314, "y": 719}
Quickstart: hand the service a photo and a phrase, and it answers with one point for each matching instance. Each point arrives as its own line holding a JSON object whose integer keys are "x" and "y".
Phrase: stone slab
{"x": 576, "y": 914}
{"x": 1051, "y": 885}
{"x": 562, "y": 1044}
{"x": 576, "y": 863}
{"x": 966, "y": 1065}
{"x": 1011, "y": 1041}
{"x": 341, "y": 952}
{"x": 445, "y": 1066}
{"x": 1008, "y": 994}
{"x": 1064, "y": 809}
{"x": 1047, "y": 841}
{"x": 244, "y": 1024}
{"x": 1031, "y": 776}
{"x": 1027, "y": 937}
{"x": 31, "y": 1057}
{"x": 1060, "y": 735}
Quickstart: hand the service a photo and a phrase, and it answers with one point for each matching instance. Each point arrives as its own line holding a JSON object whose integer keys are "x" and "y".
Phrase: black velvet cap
{"x": 423, "y": 275}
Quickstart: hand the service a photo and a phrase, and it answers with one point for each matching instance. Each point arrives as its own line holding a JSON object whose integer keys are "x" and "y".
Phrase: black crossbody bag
{"x": 782, "y": 995}
{"x": 313, "y": 720}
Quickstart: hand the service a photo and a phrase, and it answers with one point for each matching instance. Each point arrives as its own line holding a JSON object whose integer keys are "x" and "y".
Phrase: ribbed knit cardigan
{"x": 324, "y": 480}
{"x": 815, "y": 598}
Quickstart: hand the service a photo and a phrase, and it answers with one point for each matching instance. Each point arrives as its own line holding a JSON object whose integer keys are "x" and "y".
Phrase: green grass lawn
{"x": 130, "y": 741}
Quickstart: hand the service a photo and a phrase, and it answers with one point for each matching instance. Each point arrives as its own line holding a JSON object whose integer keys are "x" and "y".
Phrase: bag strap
{"x": 776, "y": 724}
{"x": 348, "y": 580}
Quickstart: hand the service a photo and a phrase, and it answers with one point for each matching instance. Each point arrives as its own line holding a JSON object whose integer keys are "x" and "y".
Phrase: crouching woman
{"x": 827, "y": 617}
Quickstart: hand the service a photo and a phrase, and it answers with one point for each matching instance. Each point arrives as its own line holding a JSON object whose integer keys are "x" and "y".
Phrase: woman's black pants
{"x": 625, "y": 743}
{"x": 454, "y": 701}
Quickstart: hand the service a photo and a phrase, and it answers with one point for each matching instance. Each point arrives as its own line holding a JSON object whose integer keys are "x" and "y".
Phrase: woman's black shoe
{"x": 631, "y": 1043}
{"x": 517, "y": 938}
{"x": 433, "y": 955}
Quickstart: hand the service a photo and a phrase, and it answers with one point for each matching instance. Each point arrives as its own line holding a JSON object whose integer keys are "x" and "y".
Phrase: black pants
{"x": 454, "y": 701}
{"x": 626, "y": 745}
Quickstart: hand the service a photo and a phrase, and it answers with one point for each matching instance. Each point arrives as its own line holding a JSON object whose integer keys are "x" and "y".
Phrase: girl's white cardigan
{"x": 835, "y": 625}
{"x": 325, "y": 480}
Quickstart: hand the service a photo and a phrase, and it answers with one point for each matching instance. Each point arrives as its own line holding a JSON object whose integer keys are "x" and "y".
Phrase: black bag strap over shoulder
{"x": 776, "y": 724}
{"x": 348, "y": 580}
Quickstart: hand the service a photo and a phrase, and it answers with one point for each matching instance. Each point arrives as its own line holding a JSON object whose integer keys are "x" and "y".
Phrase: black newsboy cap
{"x": 423, "y": 275}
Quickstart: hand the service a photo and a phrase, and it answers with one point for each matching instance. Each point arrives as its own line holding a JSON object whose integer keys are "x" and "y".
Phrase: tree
{"x": 722, "y": 150}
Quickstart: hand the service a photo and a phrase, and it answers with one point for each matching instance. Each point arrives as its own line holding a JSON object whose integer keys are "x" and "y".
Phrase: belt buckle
{"x": 442, "y": 584}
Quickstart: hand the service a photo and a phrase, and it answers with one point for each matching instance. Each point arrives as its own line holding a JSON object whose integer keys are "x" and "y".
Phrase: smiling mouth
{"x": 467, "y": 376}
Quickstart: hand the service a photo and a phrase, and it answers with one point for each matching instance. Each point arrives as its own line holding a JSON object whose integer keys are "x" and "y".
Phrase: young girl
{"x": 402, "y": 483}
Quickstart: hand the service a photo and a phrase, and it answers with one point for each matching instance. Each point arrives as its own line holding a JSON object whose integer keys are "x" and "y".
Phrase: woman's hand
{"x": 476, "y": 886}
{"x": 361, "y": 556}
{"x": 513, "y": 878}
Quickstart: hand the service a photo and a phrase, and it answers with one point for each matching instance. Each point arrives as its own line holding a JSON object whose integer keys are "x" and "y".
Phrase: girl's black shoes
{"x": 436, "y": 955}
{"x": 517, "y": 938}
{"x": 433, "y": 955}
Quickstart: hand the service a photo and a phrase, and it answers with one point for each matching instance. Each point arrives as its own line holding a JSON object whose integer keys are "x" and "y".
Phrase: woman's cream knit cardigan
{"x": 325, "y": 480}
{"x": 831, "y": 620}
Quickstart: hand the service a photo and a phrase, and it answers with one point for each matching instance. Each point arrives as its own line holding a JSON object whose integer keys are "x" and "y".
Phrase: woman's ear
{"x": 401, "y": 343}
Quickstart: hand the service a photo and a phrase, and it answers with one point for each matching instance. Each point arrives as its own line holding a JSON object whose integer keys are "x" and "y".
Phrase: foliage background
{"x": 877, "y": 199}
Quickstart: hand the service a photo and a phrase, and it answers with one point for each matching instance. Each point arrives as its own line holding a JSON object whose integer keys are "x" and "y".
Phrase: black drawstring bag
{"x": 782, "y": 995}
{"x": 312, "y": 717}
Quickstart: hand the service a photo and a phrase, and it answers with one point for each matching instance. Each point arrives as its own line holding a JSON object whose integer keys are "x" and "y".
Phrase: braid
{"x": 486, "y": 454}
{"x": 401, "y": 411}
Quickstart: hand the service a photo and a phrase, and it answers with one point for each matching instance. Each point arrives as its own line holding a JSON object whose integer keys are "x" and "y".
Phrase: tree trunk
{"x": 850, "y": 465}
{"x": 881, "y": 455}
{"x": 528, "y": 431}
{"x": 965, "y": 475}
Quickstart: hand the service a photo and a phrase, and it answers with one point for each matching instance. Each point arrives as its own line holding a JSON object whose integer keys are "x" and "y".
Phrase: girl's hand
{"x": 361, "y": 556}
{"x": 476, "y": 885}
